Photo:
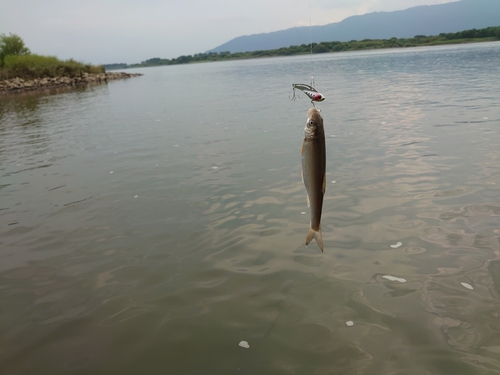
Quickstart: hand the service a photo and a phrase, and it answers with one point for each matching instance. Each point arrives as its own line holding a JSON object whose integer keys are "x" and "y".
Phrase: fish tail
{"x": 316, "y": 235}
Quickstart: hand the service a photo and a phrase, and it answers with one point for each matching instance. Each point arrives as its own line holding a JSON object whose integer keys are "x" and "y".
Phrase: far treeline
{"x": 467, "y": 36}
{"x": 16, "y": 60}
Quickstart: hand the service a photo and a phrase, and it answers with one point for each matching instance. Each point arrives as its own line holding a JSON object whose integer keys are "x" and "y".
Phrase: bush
{"x": 37, "y": 66}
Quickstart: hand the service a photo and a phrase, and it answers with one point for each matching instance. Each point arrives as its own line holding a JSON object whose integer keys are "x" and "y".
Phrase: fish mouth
{"x": 313, "y": 112}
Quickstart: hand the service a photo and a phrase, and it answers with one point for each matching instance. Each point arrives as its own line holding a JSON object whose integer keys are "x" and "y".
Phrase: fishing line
{"x": 309, "y": 90}
{"x": 311, "y": 43}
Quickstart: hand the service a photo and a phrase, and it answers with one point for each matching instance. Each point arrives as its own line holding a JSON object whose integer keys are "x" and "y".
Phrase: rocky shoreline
{"x": 19, "y": 85}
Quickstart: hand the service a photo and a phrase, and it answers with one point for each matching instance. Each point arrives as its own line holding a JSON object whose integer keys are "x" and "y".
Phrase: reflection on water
{"x": 148, "y": 231}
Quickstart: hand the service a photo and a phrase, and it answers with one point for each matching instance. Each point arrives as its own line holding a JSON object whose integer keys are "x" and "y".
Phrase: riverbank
{"x": 19, "y": 85}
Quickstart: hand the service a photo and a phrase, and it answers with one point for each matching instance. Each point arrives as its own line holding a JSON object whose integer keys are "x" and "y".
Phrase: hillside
{"x": 420, "y": 20}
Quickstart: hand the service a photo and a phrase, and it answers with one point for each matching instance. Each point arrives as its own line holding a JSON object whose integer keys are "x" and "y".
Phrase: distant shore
{"x": 318, "y": 48}
{"x": 19, "y": 85}
{"x": 489, "y": 34}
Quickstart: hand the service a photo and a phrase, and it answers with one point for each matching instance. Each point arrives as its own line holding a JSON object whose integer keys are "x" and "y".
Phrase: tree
{"x": 11, "y": 44}
{"x": 320, "y": 48}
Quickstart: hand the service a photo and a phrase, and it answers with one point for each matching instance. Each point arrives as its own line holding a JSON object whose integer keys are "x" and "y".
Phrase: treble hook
{"x": 295, "y": 95}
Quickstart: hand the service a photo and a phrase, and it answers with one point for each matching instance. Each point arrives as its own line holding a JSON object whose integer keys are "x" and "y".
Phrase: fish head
{"x": 314, "y": 120}
{"x": 313, "y": 117}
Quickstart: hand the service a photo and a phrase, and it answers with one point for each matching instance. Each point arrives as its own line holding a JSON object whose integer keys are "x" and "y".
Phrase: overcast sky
{"x": 130, "y": 31}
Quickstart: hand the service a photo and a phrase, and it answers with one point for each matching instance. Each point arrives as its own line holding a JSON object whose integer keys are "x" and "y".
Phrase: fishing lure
{"x": 309, "y": 90}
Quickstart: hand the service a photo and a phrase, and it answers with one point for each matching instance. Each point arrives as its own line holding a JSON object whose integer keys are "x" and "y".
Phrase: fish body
{"x": 314, "y": 172}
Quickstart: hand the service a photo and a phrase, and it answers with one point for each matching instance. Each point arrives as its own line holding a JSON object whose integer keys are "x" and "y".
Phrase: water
{"x": 150, "y": 225}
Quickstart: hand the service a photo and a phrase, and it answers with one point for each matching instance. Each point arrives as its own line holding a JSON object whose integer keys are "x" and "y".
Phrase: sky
{"x": 131, "y": 31}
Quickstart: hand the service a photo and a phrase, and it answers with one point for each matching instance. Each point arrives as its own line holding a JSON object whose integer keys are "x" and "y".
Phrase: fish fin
{"x": 324, "y": 184}
{"x": 316, "y": 235}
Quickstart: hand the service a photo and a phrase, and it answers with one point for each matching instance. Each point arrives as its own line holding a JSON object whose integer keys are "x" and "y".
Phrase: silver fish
{"x": 314, "y": 172}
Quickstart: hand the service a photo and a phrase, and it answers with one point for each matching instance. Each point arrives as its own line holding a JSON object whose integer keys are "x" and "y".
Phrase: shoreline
{"x": 18, "y": 85}
{"x": 352, "y": 46}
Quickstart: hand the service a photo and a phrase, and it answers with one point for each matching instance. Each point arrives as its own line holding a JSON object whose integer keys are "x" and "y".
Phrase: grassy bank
{"x": 31, "y": 66}
{"x": 468, "y": 36}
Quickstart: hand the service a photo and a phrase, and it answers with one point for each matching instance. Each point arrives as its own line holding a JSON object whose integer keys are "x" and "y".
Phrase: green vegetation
{"x": 17, "y": 61}
{"x": 467, "y": 36}
{"x": 11, "y": 44}
{"x": 36, "y": 66}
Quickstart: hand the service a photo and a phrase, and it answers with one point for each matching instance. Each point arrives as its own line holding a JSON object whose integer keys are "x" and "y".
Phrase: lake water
{"x": 150, "y": 225}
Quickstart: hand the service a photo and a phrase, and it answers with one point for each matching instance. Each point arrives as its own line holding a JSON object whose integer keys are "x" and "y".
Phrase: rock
{"x": 15, "y": 85}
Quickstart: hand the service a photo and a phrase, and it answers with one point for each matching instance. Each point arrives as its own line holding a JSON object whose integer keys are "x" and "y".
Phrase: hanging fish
{"x": 309, "y": 90}
{"x": 314, "y": 172}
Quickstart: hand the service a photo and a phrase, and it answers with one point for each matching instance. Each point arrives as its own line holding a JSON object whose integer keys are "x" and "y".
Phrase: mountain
{"x": 420, "y": 20}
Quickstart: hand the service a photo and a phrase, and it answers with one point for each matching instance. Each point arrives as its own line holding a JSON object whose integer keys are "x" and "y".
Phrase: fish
{"x": 314, "y": 172}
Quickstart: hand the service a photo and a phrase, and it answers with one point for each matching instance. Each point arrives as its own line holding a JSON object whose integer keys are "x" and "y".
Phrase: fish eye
{"x": 312, "y": 123}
